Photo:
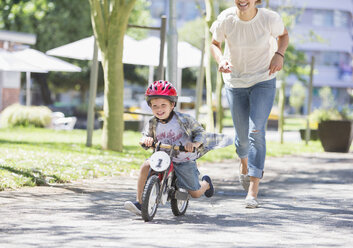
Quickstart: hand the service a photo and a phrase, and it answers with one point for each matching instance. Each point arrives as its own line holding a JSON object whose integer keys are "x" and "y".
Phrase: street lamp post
{"x": 172, "y": 38}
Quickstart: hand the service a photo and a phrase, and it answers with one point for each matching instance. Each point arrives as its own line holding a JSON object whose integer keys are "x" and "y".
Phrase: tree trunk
{"x": 209, "y": 19}
{"x": 219, "y": 111}
{"x": 41, "y": 79}
{"x": 210, "y": 120}
{"x": 109, "y": 21}
{"x": 113, "y": 99}
{"x": 281, "y": 103}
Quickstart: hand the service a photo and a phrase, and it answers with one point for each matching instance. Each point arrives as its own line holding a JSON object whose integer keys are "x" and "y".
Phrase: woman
{"x": 255, "y": 43}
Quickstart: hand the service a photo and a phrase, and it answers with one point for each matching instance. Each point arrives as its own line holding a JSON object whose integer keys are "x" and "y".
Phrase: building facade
{"x": 323, "y": 29}
{"x": 10, "y": 81}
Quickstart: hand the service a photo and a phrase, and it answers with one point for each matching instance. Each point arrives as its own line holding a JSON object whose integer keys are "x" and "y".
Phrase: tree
{"x": 109, "y": 22}
{"x": 54, "y": 23}
{"x": 297, "y": 96}
{"x": 295, "y": 64}
{"x": 209, "y": 18}
{"x": 200, "y": 28}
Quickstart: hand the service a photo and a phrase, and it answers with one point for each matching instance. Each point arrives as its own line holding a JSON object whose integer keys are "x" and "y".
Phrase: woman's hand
{"x": 148, "y": 141}
{"x": 276, "y": 63}
{"x": 277, "y": 59}
{"x": 225, "y": 66}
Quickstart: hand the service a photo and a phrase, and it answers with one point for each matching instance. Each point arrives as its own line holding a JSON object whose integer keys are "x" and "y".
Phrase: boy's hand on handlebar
{"x": 148, "y": 141}
{"x": 190, "y": 146}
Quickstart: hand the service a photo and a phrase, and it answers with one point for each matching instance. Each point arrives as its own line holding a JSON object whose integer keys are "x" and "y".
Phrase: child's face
{"x": 161, "y": 107}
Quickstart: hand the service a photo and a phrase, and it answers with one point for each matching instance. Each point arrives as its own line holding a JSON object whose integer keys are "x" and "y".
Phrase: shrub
{"x": 319, "y": 115}
{"x": 18, "y": 115}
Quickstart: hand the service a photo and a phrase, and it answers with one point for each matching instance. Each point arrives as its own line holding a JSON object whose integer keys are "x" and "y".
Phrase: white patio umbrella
{"x": 188, "y": 56}
{"x": 10, "y": 62}
{"x": 83, "y": 49}
{"x": 45, "y": 62}
{"x": 30, "y": 60}
{"x": 143, "y": 52}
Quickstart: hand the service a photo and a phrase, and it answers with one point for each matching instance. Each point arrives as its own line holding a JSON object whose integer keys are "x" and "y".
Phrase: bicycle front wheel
{"x": 149, "y": 198}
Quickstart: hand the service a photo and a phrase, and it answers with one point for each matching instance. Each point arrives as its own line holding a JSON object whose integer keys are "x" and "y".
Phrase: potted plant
{"x": 335, "y": 128}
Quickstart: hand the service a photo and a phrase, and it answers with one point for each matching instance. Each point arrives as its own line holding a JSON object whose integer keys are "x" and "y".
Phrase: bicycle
{"x": 161, "y": 185}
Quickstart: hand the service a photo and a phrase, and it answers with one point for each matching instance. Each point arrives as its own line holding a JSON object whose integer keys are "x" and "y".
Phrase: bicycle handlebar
{"x": 166, "y": 146}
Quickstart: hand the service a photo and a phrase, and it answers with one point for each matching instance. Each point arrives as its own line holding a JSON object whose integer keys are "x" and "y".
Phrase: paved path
{"x": 306, "y": 201}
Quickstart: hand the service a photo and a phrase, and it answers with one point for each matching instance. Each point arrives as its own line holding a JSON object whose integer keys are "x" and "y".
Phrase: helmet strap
{"x": 165, "y": 121}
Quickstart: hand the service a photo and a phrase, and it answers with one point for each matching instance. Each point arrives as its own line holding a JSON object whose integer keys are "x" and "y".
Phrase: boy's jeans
{"x": 250, "y": 108}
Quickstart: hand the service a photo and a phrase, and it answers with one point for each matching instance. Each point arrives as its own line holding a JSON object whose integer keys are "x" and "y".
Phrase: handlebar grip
{"x": 182, "y": 148}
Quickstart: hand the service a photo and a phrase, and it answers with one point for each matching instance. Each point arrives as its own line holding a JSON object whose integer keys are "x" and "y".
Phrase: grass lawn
{"x": 32, "y": 156}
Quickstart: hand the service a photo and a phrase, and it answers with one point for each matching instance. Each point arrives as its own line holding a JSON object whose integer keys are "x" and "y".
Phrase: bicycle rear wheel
{"x": 179, "y": 206}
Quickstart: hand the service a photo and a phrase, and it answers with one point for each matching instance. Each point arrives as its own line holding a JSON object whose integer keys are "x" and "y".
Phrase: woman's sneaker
{"x": 210, "y": 191}
{"x": 251, "y": 202}
{"x": 134, "y": 207}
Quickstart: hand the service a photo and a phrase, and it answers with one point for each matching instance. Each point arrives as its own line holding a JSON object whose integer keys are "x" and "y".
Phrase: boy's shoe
{"x": 210, "y": 191}
{"x": 244, "y": 179}
{"x": 134, "y": 207}
{"x": 251, "y": 202}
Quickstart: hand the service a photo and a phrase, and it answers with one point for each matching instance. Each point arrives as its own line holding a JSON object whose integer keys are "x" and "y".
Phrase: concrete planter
{"x": 314, "y": 134}
{"x": 336, "y": 136}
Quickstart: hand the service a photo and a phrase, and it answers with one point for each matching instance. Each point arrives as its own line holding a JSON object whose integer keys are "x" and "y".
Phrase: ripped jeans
{"x": 250, "y": 108}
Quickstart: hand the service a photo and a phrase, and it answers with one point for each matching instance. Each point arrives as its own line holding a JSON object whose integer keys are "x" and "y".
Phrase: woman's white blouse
{"x": 249, "y": 45}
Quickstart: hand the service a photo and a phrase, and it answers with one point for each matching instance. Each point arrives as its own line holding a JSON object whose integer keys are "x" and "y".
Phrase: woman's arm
{"x": 278, "y": 58}
{"x": 223, "y": 64}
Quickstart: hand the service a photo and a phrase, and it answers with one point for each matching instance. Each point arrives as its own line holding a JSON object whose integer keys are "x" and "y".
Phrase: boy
{"x": 174, "y": 128}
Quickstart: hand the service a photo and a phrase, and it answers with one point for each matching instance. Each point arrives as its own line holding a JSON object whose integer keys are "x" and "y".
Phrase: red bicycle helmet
{"x": 161, "y": 89}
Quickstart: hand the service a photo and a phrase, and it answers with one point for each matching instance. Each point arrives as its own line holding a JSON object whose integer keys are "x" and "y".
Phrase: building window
{"x": 323, "y": 18}
{"x": 341, "y": 19}
{"x": 327, "y": 58}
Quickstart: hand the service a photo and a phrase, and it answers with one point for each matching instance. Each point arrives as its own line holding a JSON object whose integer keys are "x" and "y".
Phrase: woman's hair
{"x": 258, "y": 2}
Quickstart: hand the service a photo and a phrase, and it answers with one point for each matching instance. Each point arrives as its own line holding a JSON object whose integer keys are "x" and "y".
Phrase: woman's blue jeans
{"x": 250, "y": 108}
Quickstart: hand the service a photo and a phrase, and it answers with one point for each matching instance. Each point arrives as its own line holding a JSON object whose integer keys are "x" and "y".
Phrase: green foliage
{"x": 297, "y": 96}
{"x": 136, "y": 74}
{"x": 347, "y": 113}
{"x": 56, "y": 23}
{"x": 319, "y": 115}
{"x": 329, "y": 110}
{"x": 295, "y": 60}
{"x": 295, "y": 64}
{"x": 197, "y": 29}
{"x": 18, "y": 115}
{"x": 327, "y": 98}
{"x": 140, "y": 15}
